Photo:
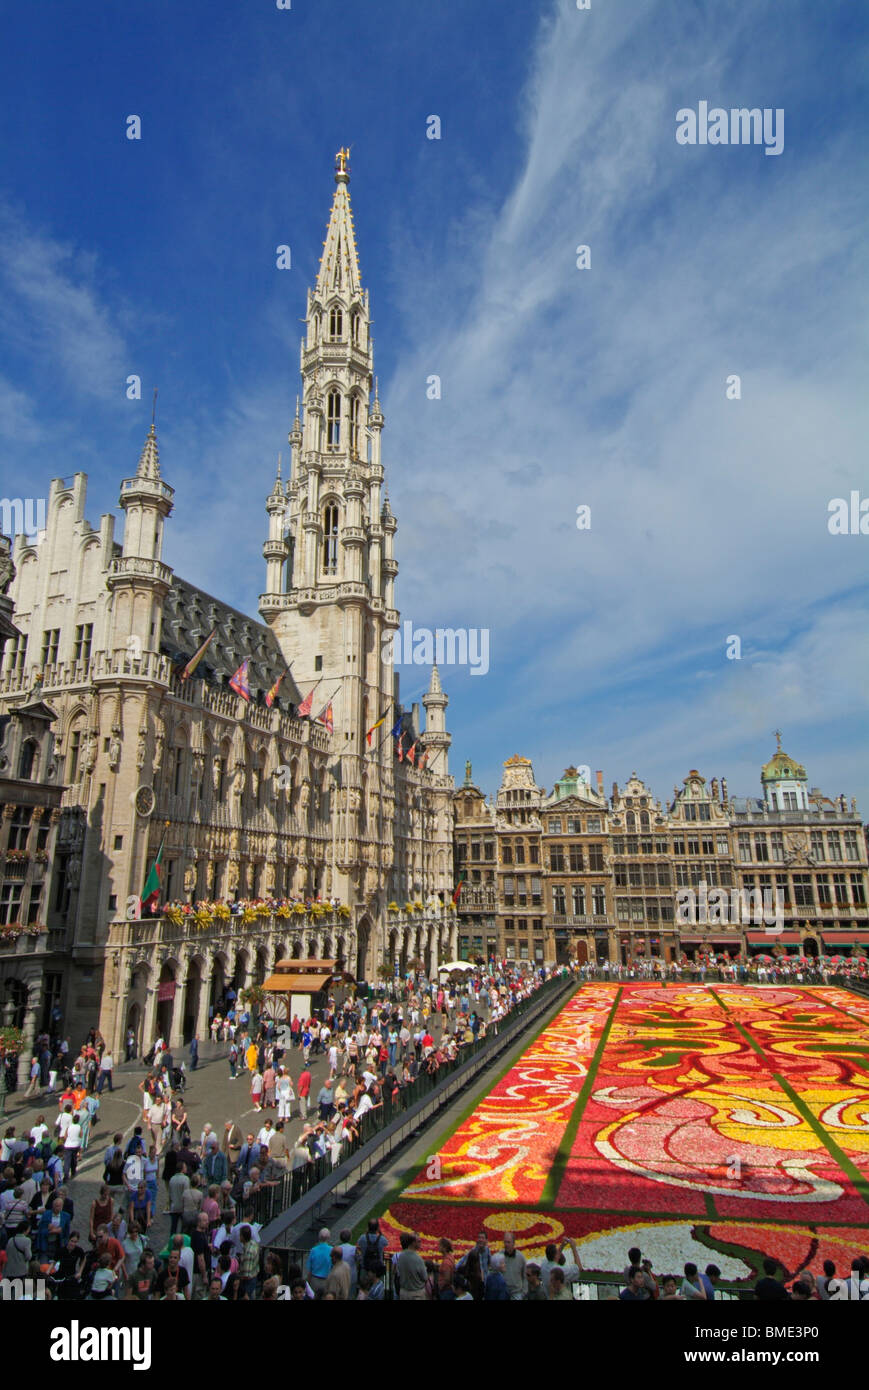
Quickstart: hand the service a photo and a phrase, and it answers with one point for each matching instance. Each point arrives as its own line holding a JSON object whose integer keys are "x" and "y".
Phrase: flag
{"x": 151, "y": 891}
{"x": 399, "y": 750}
{"x": 459, "y": 886}
{"x": 396, "y": 728}
{"x": 273, "y": 693}
{"x": 424, "y": 759}
{"x": 410, "y": 753}
{"x": 304, "y": 709}
{"x": 326, "y": 718}
{"x": 239, "y": 680}
{"x": 380, "y": 721}
{"x": 195, "y": 660}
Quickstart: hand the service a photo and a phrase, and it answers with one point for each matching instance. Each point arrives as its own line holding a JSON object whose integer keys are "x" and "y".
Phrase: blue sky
{"x": 561, "y": 386}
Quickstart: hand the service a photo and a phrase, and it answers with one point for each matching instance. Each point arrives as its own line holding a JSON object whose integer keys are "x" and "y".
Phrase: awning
{"x": 295, "y": 984}
{"x": 846, "y": 938}
{"x": 306, "y": 967}
{"x": 770, "y": 939}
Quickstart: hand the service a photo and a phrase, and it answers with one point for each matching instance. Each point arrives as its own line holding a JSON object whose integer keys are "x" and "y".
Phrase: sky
{"x": 608, "y": 387}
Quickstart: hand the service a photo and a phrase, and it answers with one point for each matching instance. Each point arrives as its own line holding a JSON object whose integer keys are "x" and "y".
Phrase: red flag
{"x": 410, "y": 753}
{"x": 273, "y": 693}
{"x": 399, "y": 751}
{"x": 304, "y": 710}
{"x": 424, "y": 759}
{"x": 326, "y": 718}
{"x": 239, "y": 681}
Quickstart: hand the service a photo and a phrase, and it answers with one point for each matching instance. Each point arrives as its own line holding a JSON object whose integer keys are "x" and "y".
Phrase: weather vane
{"x": 342, "y": 159}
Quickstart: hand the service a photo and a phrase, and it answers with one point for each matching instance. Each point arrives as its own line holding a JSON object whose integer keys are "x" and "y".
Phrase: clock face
{"x": 145, "y": 801}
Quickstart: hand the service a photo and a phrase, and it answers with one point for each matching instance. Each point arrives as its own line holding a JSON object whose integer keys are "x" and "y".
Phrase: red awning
{"x": 770, "y": 939}
{"x": 846, "y": 938}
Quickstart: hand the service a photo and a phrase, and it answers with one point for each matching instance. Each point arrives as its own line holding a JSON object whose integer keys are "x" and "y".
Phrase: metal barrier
{"x": 305, "y": 1191}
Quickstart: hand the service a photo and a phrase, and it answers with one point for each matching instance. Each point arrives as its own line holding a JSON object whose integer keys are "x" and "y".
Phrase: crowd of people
{"x": 760, "y": 969}
{"x": 373, "y": 1051}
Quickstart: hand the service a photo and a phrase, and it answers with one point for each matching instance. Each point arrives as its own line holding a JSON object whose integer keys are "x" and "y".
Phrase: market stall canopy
{"x": 300, "y": 976}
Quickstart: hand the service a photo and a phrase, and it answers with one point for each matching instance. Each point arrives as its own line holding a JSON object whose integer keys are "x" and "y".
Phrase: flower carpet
{"x": 713, "y": 1123}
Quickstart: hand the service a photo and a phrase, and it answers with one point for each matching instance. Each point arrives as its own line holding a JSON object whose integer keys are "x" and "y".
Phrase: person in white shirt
{"x": 365, "y": 1104}
{"x": 63, "y": 1122}
{"x": 265, "y": 1133}
{"x": 71, "y": 1147}
{"x": 333, "y": 1060}
{"x": 285, "y": 1094}
{"x": 39, "y": 1130}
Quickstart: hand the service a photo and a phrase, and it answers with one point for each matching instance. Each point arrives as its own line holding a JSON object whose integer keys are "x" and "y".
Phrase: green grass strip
{"x": 853, "y": 1172}
{"x": 481, "y": 1088}
{"x": 558, "y": 1168}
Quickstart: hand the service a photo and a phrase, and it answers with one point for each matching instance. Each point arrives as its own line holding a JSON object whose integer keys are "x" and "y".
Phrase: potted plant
{"x": 343, "y": 910}
{"x": 392, "y": 907}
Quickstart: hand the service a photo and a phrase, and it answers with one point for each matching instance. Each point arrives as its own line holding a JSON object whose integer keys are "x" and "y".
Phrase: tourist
{"x": 514, "y": 1268}
{"x": 496, "y": 1290}
{"x": 411, "y": 1271}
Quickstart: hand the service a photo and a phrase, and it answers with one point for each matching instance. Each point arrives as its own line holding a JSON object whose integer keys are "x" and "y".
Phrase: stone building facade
{"x": 629, "y": 877}
{"x": 248, "y": 801}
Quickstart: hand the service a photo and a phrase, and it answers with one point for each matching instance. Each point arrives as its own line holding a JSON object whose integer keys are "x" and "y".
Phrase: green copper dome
{"x": 781, "y": 768}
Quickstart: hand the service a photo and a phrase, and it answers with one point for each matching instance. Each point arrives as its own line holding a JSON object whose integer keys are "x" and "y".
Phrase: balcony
{"x": 583, "y": 920}
{"x": 135, "y": 566}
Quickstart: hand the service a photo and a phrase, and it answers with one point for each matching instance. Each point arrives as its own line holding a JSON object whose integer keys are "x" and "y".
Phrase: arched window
{"x": 630, "y": 821}
{"x": 26, "y": 760}
{"x": 333, "y": 419}
{"x": 354, "y": 327}
{"x": 336, "y": 323}
{"x": 330, "y": 540}
{"x": 354, "y": 425}
{"x": 644, "y": 820}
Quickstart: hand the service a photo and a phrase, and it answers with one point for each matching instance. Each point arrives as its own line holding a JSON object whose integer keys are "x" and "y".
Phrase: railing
{"x": 304, "y": 1191}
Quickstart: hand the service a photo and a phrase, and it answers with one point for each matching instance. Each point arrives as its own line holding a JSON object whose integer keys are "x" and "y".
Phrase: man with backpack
{"x": 371, "y": 1250}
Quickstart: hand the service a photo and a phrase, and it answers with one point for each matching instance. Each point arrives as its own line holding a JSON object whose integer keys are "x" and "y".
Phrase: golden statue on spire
{"x": 342, "y": 159}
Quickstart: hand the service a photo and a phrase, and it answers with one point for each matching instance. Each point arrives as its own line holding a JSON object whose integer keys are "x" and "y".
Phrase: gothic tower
{"x": 330, "y": 568}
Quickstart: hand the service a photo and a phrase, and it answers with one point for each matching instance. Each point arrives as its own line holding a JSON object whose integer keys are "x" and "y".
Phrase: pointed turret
{"x": 149, "y": 459}
{"x": 437, "y": 740}
{"x": 339, "y": 263}
{"x": 146, "y": 501}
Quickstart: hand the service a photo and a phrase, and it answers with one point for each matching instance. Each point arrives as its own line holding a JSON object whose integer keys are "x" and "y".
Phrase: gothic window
{"x": 333, "y": 419}
{"x": 354, "y": 326}
{"x": 74, "y": 754}
{"x": 336, "y": 323}
{"x": 330, "y": 540}
{"x": 354, "y": 425}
